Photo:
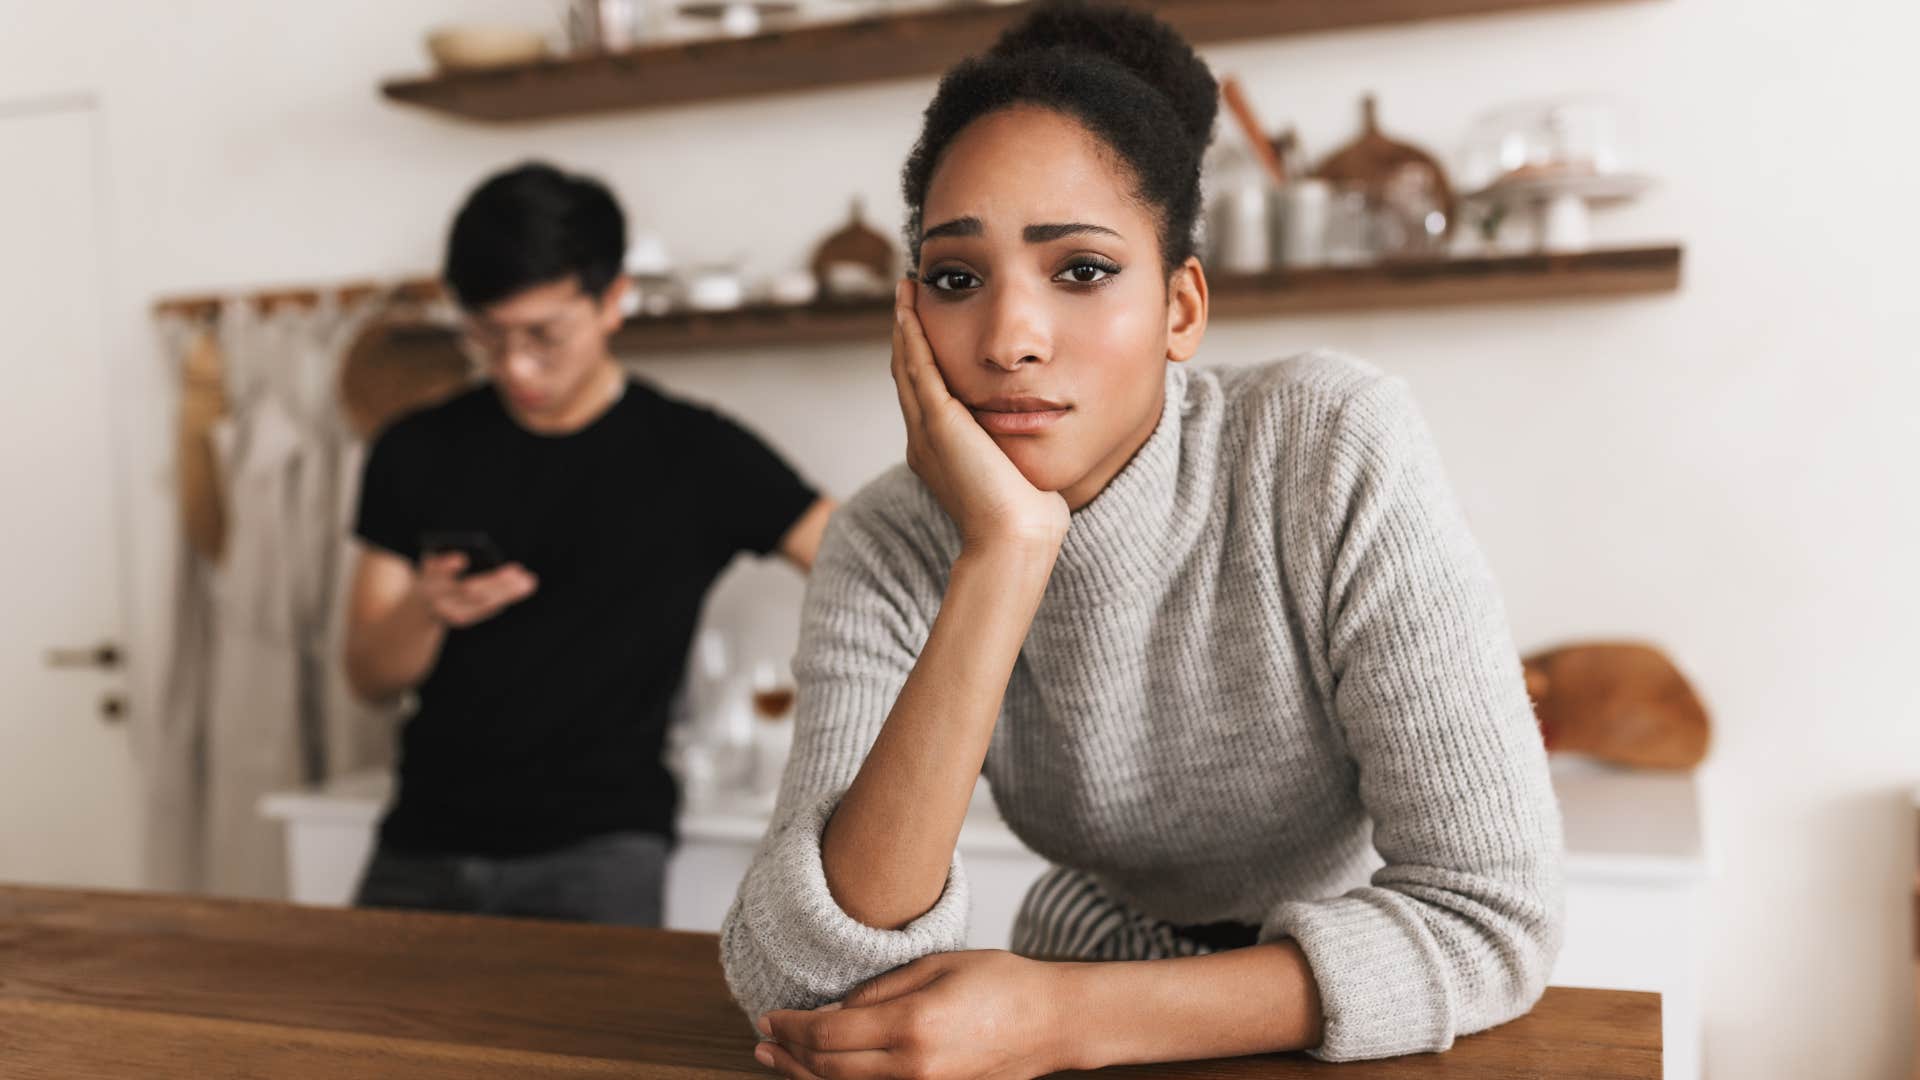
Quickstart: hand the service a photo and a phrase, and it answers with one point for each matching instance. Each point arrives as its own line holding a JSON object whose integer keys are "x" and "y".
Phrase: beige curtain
{"x": 255, "y": 700}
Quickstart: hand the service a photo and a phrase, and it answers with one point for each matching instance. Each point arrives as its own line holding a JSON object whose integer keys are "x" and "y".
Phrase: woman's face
{"x": 1045, "y": 298}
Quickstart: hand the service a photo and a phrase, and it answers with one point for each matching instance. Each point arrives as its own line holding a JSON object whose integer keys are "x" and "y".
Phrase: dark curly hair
{"x": 1127, "y": 77}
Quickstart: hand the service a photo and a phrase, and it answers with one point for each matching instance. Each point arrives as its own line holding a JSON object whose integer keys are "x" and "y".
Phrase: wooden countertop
{"x": 136, "y": 985}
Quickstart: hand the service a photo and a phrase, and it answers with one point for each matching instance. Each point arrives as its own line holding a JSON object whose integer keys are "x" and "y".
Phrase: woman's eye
{"x": 951, "y": 280}
{"x": 1087, "y": 273}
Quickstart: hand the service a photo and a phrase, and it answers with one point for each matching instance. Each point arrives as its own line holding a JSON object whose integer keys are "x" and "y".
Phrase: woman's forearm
{"x": 888, "y": 845}
{"x": 1255, "y": 1000}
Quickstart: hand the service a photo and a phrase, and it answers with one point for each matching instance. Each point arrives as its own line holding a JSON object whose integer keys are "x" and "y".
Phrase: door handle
{"x": 105, "y": 656}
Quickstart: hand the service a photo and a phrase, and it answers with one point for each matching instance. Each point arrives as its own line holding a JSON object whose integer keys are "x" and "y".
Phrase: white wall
{"x": 1726, "y": 471}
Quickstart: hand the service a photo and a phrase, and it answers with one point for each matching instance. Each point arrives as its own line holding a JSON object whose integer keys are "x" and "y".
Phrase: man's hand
{"x": 463, "y": 601}
{"x": 964, "y": 1015}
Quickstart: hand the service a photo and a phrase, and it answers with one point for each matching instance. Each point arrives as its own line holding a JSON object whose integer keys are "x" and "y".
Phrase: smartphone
{"x": 482, "y": 553}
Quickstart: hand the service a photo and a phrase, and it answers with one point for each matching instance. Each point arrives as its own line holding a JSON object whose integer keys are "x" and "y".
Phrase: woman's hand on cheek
{"x": 982, "y": 491}
{"x": 951, "y": 1016}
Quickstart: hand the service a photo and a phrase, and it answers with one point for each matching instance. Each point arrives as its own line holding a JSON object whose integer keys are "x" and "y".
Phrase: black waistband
{"x": 1221, "y": 936}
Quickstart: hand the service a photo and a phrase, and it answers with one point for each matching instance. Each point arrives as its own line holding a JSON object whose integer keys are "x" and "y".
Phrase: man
{"x": 535, "y": 555}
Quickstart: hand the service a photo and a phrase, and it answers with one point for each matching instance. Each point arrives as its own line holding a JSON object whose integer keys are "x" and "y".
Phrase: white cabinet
{"x": 1637, "y": 872}
{"x": 718, "y": 840}
{"x": 330, "y": 833}
{"x": 1636, "y": 876}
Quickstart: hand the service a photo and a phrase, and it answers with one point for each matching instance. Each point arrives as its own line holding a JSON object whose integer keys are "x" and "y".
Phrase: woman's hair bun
{"x": 1136, "y": 41}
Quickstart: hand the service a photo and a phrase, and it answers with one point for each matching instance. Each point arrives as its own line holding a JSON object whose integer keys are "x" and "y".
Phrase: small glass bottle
{"x": 773, "y": 700}
{"x": 1239, "y": 221}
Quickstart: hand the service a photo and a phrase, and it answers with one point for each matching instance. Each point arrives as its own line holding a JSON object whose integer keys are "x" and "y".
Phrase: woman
{"x": 1219, "y": 639}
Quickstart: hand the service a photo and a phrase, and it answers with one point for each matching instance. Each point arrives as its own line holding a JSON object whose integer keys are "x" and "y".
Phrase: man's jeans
{"x": 617, "y": 878}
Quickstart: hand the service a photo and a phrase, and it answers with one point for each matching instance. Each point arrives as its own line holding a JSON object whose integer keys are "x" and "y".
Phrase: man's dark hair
{"x": 534, "y": 225}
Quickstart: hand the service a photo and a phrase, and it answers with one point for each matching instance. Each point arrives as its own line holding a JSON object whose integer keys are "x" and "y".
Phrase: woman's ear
{"x": 1186, "y": 310}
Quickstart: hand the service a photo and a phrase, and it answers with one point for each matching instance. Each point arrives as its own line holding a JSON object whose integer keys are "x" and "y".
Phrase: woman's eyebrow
{"x": 1032, "y": 234}
{"x": 1045, "y": 234}
{"x": 965, "y": 226}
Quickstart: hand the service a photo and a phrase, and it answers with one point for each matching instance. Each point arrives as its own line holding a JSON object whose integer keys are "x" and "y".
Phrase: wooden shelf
{"x": 1451, "y": 282}
{"x": 823, "y": 55}
{"x": 1386, "y": 287}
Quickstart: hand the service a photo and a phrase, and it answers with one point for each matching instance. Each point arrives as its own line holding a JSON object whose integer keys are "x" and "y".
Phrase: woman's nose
{"x": 1018, "y": 332}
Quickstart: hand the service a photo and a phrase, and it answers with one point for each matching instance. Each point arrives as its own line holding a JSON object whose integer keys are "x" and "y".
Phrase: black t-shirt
{"x": 544, "y": 725}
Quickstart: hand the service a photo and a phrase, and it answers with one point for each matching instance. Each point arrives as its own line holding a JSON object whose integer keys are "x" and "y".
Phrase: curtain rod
{"x": 267, "y": 301}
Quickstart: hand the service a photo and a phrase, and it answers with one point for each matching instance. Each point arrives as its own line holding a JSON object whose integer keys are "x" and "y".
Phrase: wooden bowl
{"x": 480, "y": 48}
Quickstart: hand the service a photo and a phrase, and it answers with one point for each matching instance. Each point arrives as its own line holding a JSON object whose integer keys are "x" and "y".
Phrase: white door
{"x": 68, "y": 791}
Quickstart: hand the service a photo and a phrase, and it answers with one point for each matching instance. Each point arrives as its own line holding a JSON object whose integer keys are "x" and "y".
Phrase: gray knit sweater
{"x": 1270, "y": 681}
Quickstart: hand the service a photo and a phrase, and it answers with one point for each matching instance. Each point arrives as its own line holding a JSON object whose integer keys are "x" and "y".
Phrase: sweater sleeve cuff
{"x": 788, "y": 944}
{"x": 1382, "y": 988}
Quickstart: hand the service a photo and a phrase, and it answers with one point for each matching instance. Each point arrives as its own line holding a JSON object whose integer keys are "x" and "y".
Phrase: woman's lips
{"x": 1019, "y": 415}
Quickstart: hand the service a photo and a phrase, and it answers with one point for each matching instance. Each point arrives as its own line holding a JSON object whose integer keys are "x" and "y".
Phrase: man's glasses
{"x": 540, "y": 342}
